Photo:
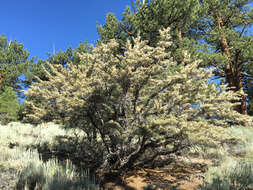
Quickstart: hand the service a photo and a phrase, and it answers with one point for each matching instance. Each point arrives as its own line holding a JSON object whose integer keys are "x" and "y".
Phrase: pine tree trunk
{"x": 179, "y": 40}
{"x": 243, "y": 107}
{"x": 1, "y": 80}
{"x": 233, "y": 76}
{"x": 179, "y": 33}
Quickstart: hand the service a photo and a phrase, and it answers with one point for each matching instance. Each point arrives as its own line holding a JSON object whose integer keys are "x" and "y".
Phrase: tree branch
{"x": 100, "y": 131}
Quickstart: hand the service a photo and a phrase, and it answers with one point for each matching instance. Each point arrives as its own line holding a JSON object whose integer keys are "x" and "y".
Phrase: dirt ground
{"x": 185, "y": 174}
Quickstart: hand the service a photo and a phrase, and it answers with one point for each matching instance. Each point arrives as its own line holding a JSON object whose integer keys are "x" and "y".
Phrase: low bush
{"x": 77, "y": 149}
{"x": 52, "y": 175}
{"x": 231, "y": 175}
{"x": 19, "y": 145}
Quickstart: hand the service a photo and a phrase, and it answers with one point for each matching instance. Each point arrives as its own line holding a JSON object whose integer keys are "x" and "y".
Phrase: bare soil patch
{"x": 185, "y": 174}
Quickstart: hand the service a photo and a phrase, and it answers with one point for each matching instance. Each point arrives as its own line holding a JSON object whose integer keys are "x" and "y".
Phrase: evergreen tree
{"x": 225, "y": 28}
{"x": 149, "y": 17}
{"x": 137, "y": 105}
{"x": 217, "y": 28}
{"x": 9, "y": 106}
{"x": 14, "y": 61}
{"x": 249, "y": 91}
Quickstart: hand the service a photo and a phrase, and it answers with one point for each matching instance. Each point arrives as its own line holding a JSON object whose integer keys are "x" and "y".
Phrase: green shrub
{"x": 231, "y": 175}
{"x": 235, "y": 170}
{"x": 244, "y": 148}
{"x": 206, "y": 152}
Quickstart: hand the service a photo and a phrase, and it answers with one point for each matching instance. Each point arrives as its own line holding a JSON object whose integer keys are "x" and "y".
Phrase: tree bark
{"x": 1, "y": 79}
{"x": 233, "y": 76}
{"x": 179, "y": 32}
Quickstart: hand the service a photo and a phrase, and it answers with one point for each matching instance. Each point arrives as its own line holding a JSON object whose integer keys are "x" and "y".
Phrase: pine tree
{"x": 14, "y": 61}
{"x": 249, "y": 91}
{"x": 148, "y": 17}
{"x": 8, "y": 105}
{"x": 217, "y": 28}
{"x": 225, "y": 30}
{"x": 137, "y": 105}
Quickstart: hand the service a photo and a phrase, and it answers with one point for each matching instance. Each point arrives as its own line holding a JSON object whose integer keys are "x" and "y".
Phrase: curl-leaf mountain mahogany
{"x": 138, "y": 105}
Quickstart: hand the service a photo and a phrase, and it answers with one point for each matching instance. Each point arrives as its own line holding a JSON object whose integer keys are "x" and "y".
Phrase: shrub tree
{"x": 138, "y": 105}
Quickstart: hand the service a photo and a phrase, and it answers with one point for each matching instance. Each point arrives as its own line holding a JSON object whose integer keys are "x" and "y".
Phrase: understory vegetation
{"x": 35, "y": 158}
{"x": 21, "y": 153}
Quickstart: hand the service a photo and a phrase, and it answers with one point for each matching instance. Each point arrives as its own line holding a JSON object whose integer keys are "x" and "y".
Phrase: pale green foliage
{"x": 16, "y": 138}
{"x": 236, "y": 166}
{"x": 22, "y": 136}
{"x": 241, "y": 146}
{"x": 53, "y": 175}
{"x": 26, "y": 134}
{"x": 244, "y": 148}
{"x": 231, "y": 175}
{"x": 209, "y": 153}
{"x": 137, "y": 102}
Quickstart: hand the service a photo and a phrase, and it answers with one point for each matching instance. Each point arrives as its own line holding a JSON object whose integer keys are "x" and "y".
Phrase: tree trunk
{"x": 1, "y": 78}
{"x": 233, "y": 76}
{"x": 243, "y": 107}
{"x": 179, "y": 32}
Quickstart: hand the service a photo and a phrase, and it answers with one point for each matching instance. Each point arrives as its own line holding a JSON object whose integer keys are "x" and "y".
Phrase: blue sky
{"x": 43, "y": 24}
